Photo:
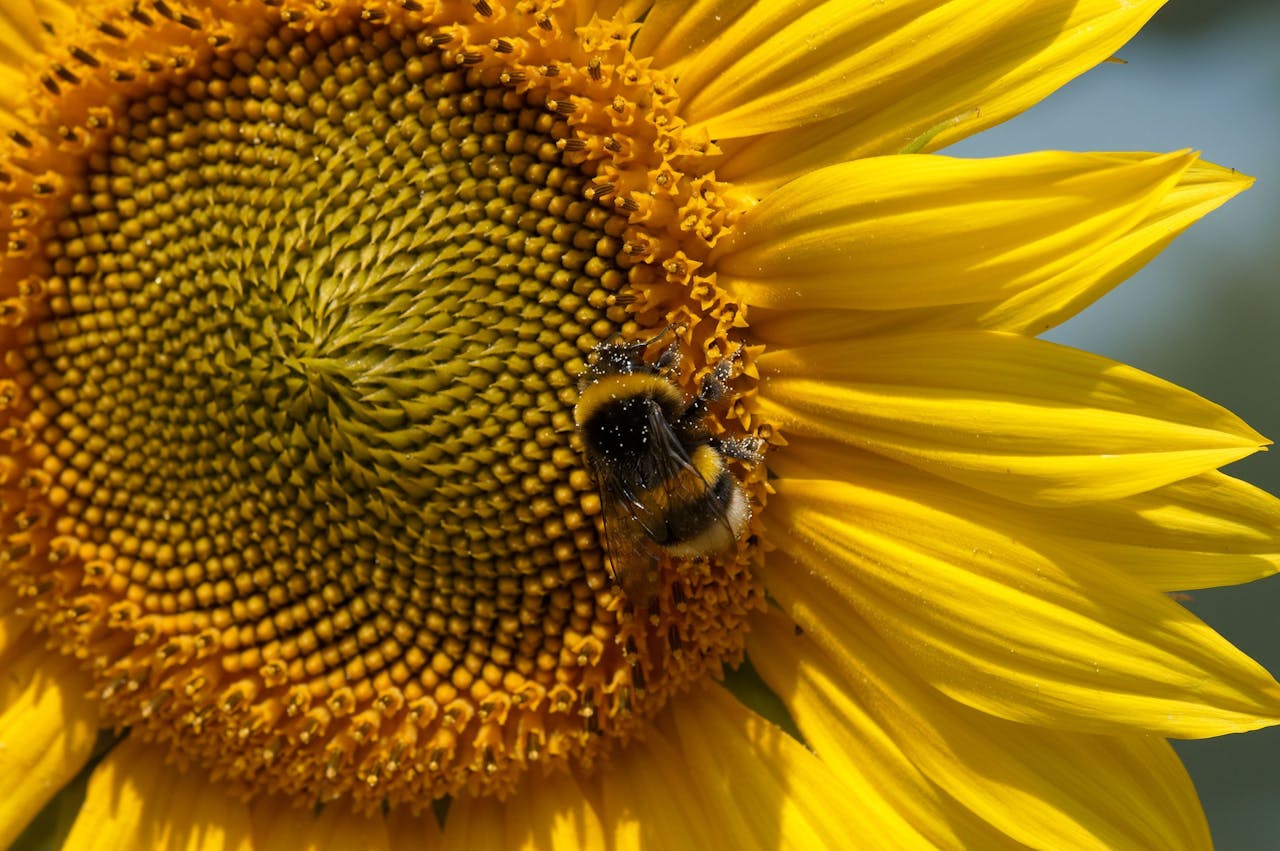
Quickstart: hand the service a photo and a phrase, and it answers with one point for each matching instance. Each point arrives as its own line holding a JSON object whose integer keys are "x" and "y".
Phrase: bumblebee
{"x": 664, "y": 485}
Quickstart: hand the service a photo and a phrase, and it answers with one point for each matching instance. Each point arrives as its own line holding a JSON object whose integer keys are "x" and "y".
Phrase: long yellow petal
{"x": 474, "y": 823}
{"x": 1202, "y": 188}
{"x": 855, "y": 744}
{"x": 915, "y": 231}
{"x": 47, "y": 731}
{"x": 988, "y": 63}
{"x": 136, "y": 801}
{"x": 552, "y": 813}
{"x": 781, "y": 65}
{"x": 1021, "y": 418}
{"x": 19, "y": 31}
{"x": 1204, "y": 532}
{"x": 1041, "y": 787}
{"x": 1002, "y": 627}
{"x": 127, "y": 790}
{"x": 279, "y": 825}
{"x": 649, "y": 800}
{"x": 409, "y": 832}
{"x": 675, "y": 31}
{"x": 770, "y": 791}
{"x": 16, "y": 643}
{"x": 203, "y": 816}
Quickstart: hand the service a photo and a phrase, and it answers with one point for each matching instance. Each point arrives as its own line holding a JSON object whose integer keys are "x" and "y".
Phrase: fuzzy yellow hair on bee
{"x": 664, "y": 484}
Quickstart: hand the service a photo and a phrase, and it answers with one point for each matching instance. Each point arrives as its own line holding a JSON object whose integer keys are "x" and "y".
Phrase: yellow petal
{"x": 780, "y": 65}
{"x": 914, "y": 231}
{"x": 203, "y": 816}
{"x": 16, "y": 643}
{"x": 47, "y": 731}
{"x": 1202, "y": 188}
{"x": 1000, "y": 626}
{"x": 649, "y": 799}
{"x": 474, "y": 823}
{"x": 126, "y": 791}
{"x": 19, "y": 32}
{"x": 785, "y": 65}
{"x": 858, "y": 749}
{"x": 136, "y": 801}
{"x": 1204, "y": 532}
{"x": 279, "y": 825}
{"x": 768, "y": 790}
{"x": 674, "y": 31}
{"x": 409, "y": 832}
{"x": 552, "y": 813}
{"x": 1021, "y": 418}
{"x": 985, "y": 63}
{"x": 1041, "y": 787}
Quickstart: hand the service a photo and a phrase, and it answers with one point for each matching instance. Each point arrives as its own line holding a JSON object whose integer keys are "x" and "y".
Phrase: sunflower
{"x": 301, "y": 547}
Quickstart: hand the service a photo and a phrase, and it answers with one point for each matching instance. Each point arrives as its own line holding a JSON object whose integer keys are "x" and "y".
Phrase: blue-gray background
{"x": 1203, "y": 75}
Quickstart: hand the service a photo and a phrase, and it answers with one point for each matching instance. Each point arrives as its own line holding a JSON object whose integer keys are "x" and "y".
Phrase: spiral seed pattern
{"x": 289, "y": 404}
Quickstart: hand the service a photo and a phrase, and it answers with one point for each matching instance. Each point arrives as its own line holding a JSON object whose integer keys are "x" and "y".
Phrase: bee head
{"x": 619, "y": 357}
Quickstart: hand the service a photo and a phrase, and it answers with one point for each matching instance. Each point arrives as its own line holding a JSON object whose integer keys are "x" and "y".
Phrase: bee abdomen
{"x": 715, "y": 531}
{"x": 709, "y": 518}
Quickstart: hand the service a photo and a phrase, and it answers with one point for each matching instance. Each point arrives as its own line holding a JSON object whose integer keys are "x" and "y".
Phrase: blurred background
{"x": 1205, "y": 74}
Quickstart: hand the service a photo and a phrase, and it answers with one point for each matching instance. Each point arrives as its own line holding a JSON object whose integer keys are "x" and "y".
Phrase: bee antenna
{"x": 669, "y": 328}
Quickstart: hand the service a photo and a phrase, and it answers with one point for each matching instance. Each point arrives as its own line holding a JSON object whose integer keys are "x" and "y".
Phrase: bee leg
{"x": 669, "y": 359}
{"x": 669, "y": 328}
{"x": 746, "y": 449}
{"x": 710, "y": 391}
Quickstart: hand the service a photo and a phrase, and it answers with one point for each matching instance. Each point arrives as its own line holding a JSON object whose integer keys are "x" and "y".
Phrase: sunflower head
{"x": 299, "y": 302}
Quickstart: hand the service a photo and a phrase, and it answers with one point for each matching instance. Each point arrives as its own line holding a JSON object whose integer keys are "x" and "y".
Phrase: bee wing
{"x": 635, "y": 500}
{"x": 637, "y": 504}
{"x": 681, "y": 481}
{"x": 632, "y": 556}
